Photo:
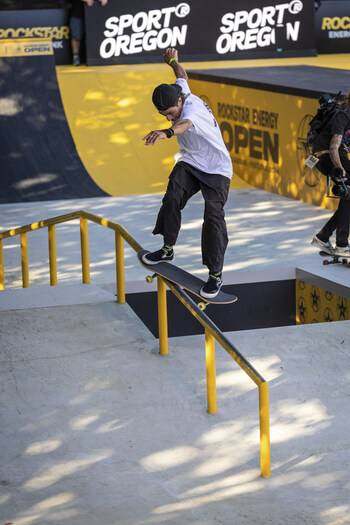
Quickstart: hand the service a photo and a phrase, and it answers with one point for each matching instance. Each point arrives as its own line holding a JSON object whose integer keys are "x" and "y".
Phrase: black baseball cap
{"x": 166, "y": 96}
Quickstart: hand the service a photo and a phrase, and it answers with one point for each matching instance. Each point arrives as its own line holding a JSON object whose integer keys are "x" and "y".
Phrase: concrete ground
{"x": 97, "y": 427}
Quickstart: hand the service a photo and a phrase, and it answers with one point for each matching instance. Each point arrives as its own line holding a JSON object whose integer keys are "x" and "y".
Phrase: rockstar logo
{"x": 315, "y": 299}
{"x": 342, "y": 309}
{"x": 327, "y": 315}
{"x": 302, "y": 310}
{"x": 311, "y": 176}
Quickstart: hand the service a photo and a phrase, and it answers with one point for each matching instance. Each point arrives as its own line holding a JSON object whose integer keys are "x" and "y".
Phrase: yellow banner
{"x": 21, "y": 48}
{"x": 265, "y": 133}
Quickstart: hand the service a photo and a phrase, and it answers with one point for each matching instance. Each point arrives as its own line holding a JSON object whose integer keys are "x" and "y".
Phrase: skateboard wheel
{"x": 149, "y": 279}
{"x": 344, "y": 261}
{"x": 325, "y": 263}
{"x": 201, "y": 306}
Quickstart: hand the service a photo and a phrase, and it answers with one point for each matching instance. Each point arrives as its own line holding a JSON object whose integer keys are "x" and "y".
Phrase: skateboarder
{"x": 202, "y": 164}
{"x": 335, "y": 155}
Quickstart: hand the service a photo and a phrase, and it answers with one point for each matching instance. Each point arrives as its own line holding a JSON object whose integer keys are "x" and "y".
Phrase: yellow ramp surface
{"x": 109, "y": 110}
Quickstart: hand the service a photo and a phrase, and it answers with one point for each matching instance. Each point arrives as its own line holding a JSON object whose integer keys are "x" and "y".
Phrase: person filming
{"x": 332, "y": 149}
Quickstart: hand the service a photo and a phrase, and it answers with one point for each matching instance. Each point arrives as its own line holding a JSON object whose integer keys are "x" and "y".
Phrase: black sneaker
{"x": 162, "y": 255}
{"x": 212, "y": 286}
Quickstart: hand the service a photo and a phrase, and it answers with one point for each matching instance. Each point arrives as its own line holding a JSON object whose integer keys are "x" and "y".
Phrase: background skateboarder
{"x": 202, "y": 164}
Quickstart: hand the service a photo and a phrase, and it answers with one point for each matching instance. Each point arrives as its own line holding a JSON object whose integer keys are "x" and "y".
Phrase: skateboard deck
{"x": 184, "y": 279}
{"x": 335, "y": 259}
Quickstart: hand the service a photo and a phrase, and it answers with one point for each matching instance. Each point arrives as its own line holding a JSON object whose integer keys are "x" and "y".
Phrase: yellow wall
{"x": 267, "y": 153}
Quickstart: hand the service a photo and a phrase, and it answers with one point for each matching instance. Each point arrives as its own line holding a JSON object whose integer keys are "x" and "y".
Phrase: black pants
{"x": 184, "y": 182}
{"x": 340, "y": 219}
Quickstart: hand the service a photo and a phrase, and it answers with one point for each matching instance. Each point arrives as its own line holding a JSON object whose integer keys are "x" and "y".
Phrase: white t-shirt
{"x": 202, "y": 145}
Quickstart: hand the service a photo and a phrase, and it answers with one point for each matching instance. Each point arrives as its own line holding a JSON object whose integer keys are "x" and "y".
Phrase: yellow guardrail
{"x": 212, "y": 332}
{"x": 120, "y": 235}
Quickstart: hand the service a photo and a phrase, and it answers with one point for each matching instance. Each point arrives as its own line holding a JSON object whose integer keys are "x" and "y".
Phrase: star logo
{"x": 301, "y": 285}
{"x": 315, "y": 299}
{"x": 342, "y": 308}
{"x": 302, "y": 310}
{"x": 327, "y": 315}
{"x": 328, "y": 296}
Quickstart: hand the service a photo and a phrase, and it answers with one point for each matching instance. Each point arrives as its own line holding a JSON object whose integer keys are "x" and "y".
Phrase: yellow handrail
{"x": 211, "y": 331}
{"x": 120, "y": 235}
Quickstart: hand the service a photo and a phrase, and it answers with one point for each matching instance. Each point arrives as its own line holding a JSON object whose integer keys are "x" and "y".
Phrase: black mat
{"x": 259, "y": 305}
{"x": 306, "y": 81}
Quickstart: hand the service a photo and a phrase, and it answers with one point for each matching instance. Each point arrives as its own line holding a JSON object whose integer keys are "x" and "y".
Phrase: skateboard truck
{"x": 336, "y": 259}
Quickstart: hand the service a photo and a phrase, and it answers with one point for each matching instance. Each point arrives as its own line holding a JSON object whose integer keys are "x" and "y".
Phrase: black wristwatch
{"x": 169, "y": 132}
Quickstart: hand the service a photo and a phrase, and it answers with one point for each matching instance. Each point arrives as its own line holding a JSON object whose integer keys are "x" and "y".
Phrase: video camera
{"x": 341, "y": 187}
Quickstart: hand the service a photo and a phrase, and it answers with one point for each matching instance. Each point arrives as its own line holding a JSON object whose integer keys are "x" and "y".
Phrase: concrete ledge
{"x": 320, "y": 281}
{"x": 45, "y": 296}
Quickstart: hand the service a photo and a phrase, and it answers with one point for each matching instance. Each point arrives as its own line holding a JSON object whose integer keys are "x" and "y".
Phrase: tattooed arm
{"x": 334, "y": 152}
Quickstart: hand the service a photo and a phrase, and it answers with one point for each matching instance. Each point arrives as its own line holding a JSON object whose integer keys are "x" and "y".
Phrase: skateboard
{"x": 184, "y": 279}
{"x": 335, "y": 259}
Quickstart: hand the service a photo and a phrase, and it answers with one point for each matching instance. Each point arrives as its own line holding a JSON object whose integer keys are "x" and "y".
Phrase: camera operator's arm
{"x": 334, "y": 151}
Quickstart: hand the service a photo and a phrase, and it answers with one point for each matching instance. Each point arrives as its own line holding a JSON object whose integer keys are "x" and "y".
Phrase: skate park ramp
{"x": 39, "y": 160}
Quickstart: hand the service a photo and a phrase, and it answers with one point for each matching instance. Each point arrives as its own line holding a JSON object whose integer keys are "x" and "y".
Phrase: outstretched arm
{"x": 178, "y": 128}
{"x": 171, "y": 57}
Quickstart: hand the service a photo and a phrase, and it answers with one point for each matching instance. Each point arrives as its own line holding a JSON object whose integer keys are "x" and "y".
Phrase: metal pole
{"x": 52, "y": 255}
{"x": 84, "y": 241}
{"x": 162, "y": 317}
{"x": 265, "y": 460}
{"x": 2, "y": 270}
{"x": 120, "y": 268}
{"x": 211, "y": 375}
{"x": 24, "y": 260}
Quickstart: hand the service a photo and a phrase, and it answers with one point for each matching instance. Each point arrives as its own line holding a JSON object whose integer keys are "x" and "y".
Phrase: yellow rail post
{"x": 119, "y": 256}
{"x": 24, "y": 260}
{"x": 84, "y": 241}
{"x": 265, "y": 460}
{"x": 52, "y": 254}
{"x": 211, "y": 374}
{"x": 162, "y": 317}
{"x": 2, "y": 271}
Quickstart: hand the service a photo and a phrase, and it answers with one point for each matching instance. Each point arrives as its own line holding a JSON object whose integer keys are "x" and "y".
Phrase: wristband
{"x": 170, "y": 61}
{"x": 169, "y": 132}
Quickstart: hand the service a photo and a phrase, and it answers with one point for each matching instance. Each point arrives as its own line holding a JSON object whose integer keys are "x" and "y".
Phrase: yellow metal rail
{"x": 120, "y": 235}
{"x": 212, "y": 332}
